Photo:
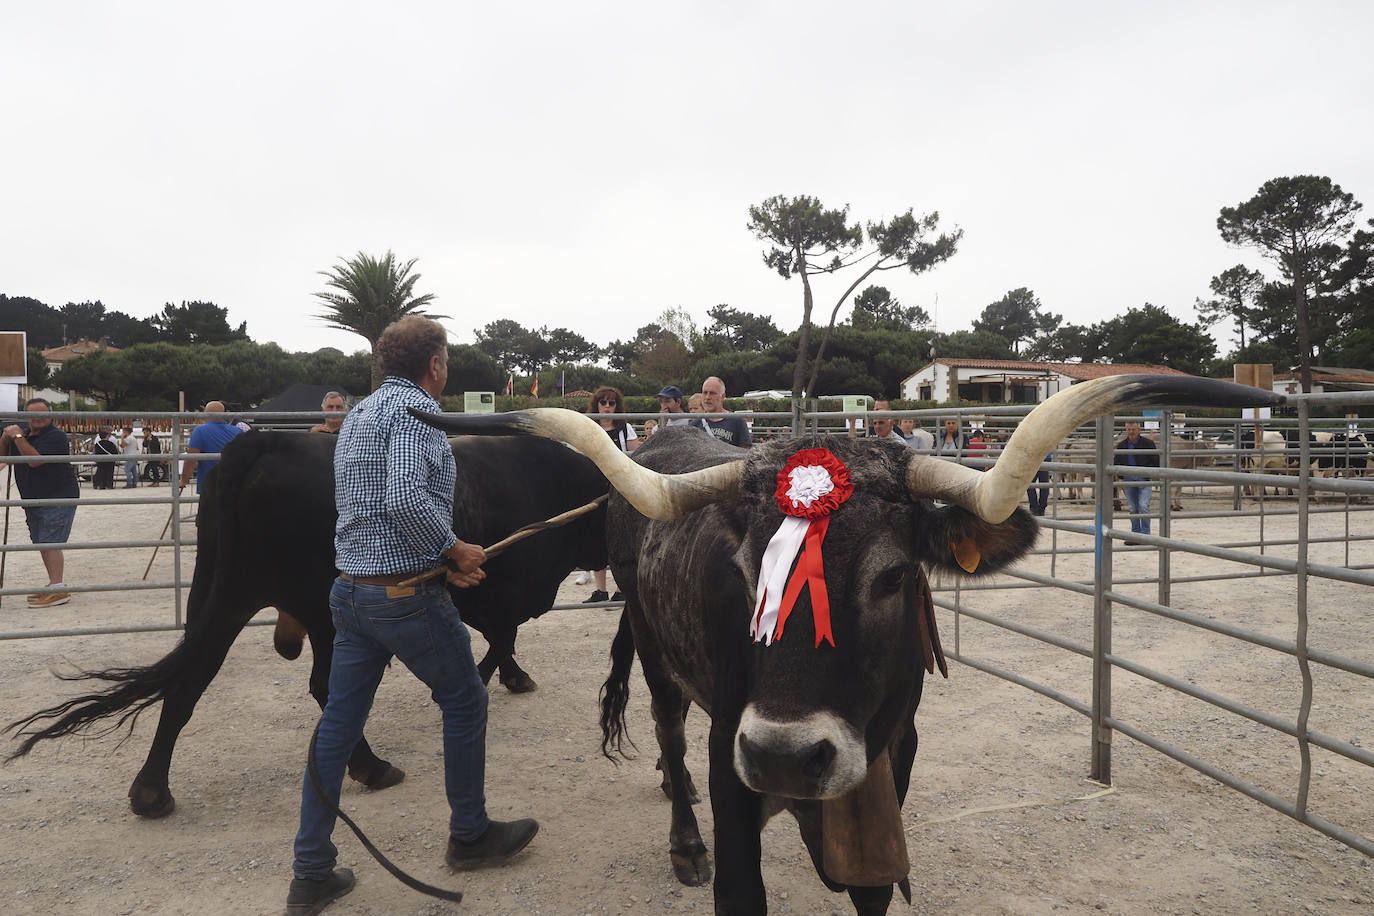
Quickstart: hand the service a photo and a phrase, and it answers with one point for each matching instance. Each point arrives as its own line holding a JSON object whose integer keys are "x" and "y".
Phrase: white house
{"x": 1008, "y": 381}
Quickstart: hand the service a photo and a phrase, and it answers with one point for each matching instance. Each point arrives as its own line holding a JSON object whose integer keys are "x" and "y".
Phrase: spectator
{"x": 694, "y": 404}
{"x": 334, "y": 406}
{"x": 606, "y": 401}
{"x": 1139, "y": 453}
{"x": 103, "y": 476}
{"x": 39, "y": 479}
{"x": 916, "y": 437}
{"x": 951, "y": 442}
{"x": 128, "y": 445}
{"x": 732, "y": 430}
{"x": 157, "y": 471}
{"x": 977, "y": 446}
{"x": 670, "y": 402}
{"x": 208, "y": 438}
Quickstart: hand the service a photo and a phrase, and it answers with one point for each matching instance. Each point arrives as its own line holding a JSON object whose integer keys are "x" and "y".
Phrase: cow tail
{"x": 135, "y": 690}
{"x": 615, "y": 693}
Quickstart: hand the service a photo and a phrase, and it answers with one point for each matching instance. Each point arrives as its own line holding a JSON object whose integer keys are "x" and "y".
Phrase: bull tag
{"x": 967, "y": 554}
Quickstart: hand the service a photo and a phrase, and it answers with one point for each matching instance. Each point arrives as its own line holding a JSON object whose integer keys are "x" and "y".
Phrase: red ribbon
{"x": 810, "y": 570}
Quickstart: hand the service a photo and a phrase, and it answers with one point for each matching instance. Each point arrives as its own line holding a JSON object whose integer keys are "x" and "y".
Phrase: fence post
{"x": 178, "y": 448}
{"x": 1102, "y": 606}
{"x": 1166, "y": 435}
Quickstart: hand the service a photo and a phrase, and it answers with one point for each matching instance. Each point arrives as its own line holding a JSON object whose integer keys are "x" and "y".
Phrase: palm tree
{"x": 372, "y": 293}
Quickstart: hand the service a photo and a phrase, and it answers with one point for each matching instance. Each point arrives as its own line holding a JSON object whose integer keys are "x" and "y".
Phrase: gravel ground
{"x": 1000, "y": 817}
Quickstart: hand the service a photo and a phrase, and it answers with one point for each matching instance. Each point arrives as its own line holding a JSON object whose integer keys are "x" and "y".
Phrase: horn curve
{"x": 993, "y": 494}
{"x": 662, "y": 497}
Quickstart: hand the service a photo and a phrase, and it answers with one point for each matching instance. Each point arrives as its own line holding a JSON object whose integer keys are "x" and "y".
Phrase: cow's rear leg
{"x": 363, "y": 765}
{"x": 501, "y": 657}
{"x": 692, "y": 795}
{"x": 150, "y": 794}
{"x": 691, "y": 863}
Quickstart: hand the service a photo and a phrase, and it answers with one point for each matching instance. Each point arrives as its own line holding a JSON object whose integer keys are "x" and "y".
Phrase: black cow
{"x": 824, "y": 730}
{"x": 266, "y": 539}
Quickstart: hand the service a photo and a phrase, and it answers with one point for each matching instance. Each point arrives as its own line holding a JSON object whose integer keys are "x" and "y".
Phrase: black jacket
{"x": 1146, "y": 455}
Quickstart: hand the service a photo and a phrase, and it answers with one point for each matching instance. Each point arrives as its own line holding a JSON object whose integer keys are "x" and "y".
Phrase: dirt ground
{"x": 1001, "y": 818}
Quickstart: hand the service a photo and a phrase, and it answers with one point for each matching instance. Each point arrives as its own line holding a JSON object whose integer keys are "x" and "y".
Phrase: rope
{"x": 313, "y": 771}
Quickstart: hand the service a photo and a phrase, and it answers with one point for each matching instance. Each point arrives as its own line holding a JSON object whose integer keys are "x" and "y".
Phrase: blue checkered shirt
{"x": 393, "y": 485}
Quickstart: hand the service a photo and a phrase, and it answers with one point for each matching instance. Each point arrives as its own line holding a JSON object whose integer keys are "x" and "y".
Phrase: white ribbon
{"x": 782, "y": 549}
{"x": 809, "y": 483}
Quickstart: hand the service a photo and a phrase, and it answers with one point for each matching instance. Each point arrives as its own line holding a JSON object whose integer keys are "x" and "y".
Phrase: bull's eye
{"x": 891, "y": 580}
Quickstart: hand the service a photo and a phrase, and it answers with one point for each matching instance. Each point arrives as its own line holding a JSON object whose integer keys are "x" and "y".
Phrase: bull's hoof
{"x": 383, "y": 776}
{"x": 692, "y": 866}
{"x": 519, "y": 683}
{"x": 151, "y": 802}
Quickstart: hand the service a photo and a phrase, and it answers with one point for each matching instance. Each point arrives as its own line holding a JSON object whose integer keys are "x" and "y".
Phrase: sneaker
{"x": 502, "y": 840}
{"x": 306, "y": 898}
{"x": 50, "y": 599}
{"x": 617, "y": 597}
{"x": 582, "y": 578}
{"x": 598, "y": 595}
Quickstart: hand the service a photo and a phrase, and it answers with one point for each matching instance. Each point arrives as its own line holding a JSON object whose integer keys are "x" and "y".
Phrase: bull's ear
{"x": 955, "y": 540}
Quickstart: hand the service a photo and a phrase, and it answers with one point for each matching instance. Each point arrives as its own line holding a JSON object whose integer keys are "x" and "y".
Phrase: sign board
{"x": 14, "y": 362}
{"x": 1150, "y": 419}
{"x": 479, "y": 402}
{"x": 1256, "y": 375}
{"x": 855, "y": 404}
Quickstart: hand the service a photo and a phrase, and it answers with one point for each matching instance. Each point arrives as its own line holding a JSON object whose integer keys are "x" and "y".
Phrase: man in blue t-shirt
{"x": 209, "y": 438}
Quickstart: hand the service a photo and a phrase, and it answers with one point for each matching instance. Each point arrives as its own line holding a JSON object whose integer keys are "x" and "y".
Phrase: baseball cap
{"x": 671, "y": 391}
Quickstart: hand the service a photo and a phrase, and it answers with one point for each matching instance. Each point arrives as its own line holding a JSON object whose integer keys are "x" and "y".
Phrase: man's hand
{"x": 469, "y": 559}
{"x": 13, "y": 430}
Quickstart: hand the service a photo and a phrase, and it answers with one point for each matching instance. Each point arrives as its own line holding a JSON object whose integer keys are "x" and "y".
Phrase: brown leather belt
{"x": 395, "y": 579}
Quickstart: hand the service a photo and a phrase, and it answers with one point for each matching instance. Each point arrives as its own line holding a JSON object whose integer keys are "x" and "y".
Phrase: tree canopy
{"x": 1301, "y": 223}
{"x": 368, "y": 293}
{"x": 1017, "y": 317}
{"x": 806, "y": 239}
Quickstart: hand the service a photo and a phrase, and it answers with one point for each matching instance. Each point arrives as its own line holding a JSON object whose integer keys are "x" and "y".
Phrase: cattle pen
{"x": 1232, "y": 644}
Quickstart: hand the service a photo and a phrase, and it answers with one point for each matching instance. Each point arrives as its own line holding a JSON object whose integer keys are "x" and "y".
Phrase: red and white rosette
{"x": 811, "y": 485}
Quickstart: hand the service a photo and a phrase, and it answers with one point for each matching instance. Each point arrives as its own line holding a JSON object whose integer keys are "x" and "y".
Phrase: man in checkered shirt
{"x": 393, "y": 480}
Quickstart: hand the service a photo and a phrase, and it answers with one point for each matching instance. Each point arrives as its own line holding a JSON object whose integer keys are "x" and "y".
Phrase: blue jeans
{"x": 1039, "y": 497}
{"x": 423, "y": 630}
{"x": 1138, "y": 499}
{"x": 130, "y": 474}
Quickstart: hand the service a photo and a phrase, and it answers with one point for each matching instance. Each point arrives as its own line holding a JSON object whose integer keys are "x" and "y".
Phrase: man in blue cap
{"x": 670, "y": 402}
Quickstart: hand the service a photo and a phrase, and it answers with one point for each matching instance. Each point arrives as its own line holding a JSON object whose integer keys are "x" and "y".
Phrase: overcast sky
{"x": 589, "y": 165}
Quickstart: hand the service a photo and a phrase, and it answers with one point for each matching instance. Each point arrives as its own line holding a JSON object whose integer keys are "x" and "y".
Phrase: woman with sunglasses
{"x": 608, "y": 400}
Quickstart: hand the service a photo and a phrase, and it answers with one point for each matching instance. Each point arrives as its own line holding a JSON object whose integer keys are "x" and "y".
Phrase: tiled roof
{"x": 72, "y": 351}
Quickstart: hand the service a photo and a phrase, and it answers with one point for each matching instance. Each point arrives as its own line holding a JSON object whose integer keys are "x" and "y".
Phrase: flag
{"x": 534, "y": 389}
{"x": 510, "y": 384}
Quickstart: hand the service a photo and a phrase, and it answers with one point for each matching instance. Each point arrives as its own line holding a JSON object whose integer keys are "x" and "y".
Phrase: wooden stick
{"x": 519, "y": 535}
{"x": 149, "y": 567}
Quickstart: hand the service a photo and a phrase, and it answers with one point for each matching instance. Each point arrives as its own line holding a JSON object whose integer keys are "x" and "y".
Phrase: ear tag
{"x": 967, "y": 554}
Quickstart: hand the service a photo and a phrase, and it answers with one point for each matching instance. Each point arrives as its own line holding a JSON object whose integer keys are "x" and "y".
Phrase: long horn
{"x": 995, "y": 494}
{"x": 662, "y": 497}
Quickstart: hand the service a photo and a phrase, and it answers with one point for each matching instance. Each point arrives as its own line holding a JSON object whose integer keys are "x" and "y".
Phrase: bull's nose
{"x": 790, "y": 769}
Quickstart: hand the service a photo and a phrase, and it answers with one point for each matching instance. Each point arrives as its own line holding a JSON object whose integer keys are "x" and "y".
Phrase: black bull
{"x": 824, "y": 731}
{"x": 266, "y": 539}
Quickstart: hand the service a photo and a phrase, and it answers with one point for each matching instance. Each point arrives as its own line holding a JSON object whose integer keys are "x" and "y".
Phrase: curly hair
{"x": 406, "y": 346}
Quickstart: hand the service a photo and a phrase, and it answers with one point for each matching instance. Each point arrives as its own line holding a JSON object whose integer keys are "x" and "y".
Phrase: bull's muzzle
{"x": 817, "y": 756}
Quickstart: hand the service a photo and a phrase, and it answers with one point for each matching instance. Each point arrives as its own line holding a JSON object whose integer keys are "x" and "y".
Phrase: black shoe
{"x": 617, "y": 597}
{"x": 502, "y": 840}
{"x": 306, "y": 898}
{"x": 598, "y": 595}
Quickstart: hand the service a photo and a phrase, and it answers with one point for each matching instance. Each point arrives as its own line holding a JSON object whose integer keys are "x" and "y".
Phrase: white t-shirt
{"x": 129, "y": 445}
